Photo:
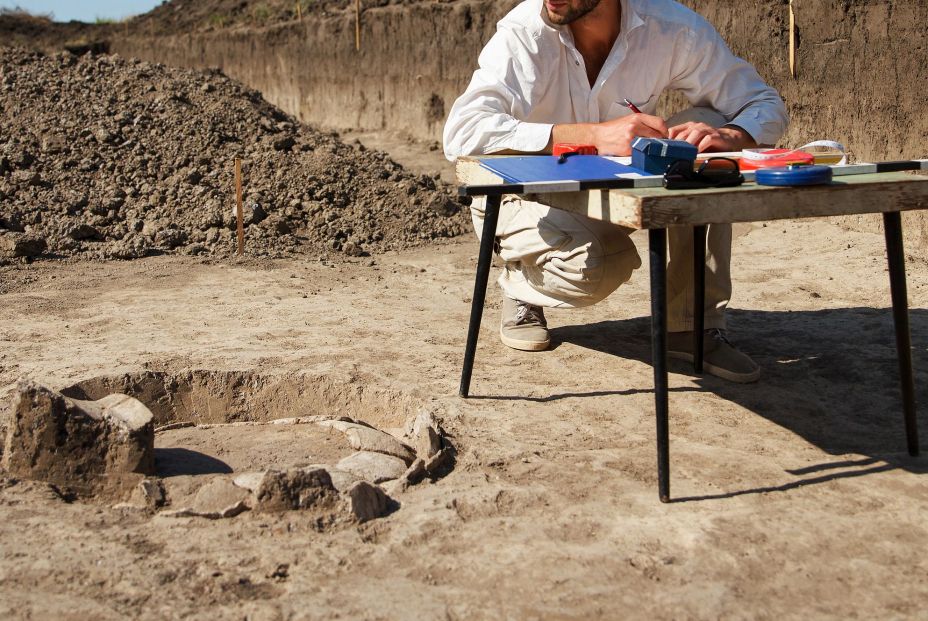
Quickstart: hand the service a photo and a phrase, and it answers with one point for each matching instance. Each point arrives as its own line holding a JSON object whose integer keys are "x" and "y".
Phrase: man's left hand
{"x": 708, "y": 138}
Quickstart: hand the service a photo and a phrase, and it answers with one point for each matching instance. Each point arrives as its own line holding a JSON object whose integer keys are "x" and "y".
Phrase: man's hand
{"x": 613, "y": 137}
{"x": 708, "y": 138}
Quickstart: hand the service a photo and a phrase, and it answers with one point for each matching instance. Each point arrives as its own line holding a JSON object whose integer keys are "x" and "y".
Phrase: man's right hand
{"x": 613, "y": 137}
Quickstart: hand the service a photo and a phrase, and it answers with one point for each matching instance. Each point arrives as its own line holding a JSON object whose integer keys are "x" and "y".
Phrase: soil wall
{"x": 862, "y": 67}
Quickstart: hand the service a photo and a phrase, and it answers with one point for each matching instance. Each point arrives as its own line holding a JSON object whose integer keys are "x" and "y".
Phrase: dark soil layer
{"x": 110, "y": 158}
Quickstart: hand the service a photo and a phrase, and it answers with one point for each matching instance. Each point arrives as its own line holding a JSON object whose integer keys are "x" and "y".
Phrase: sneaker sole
{"x": 725, "y": 374}
{"x": 523, "y": 345}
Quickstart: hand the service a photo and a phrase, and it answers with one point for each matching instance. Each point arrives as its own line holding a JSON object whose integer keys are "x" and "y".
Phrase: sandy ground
{"x": 795, "y": 497}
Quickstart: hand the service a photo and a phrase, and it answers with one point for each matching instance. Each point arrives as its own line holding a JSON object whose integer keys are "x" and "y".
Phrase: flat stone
{"x": 220, "y": 498}
{"x": 363, "y": 438}
{"x": 84, "y": 446}
{"x": 294, "y": 489}
{"x": 366, "y": 501}
{"x": 373, "y": 467}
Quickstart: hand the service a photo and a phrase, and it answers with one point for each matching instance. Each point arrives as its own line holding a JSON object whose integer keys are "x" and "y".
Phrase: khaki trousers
{"x": 558, "y": 259}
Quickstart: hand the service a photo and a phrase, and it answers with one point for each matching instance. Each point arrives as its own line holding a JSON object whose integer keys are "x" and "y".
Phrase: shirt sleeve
{"x": 505, "y": 87}
{"x": 709, "y": 74}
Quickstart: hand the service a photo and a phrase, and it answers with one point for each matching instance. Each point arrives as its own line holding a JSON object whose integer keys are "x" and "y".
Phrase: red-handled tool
{"x": 563, "y": 150}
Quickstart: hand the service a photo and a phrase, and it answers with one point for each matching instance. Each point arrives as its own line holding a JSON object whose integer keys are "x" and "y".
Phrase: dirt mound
{"x": 110, "y": 158}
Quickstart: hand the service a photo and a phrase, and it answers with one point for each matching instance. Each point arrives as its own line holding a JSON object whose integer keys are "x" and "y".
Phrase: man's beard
{"x": 573, "y": 14}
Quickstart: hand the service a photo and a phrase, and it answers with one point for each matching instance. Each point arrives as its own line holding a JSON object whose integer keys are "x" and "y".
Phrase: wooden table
{"x": 656, "y": 209}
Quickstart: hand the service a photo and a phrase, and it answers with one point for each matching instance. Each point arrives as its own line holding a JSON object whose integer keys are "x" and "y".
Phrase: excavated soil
{"x": 102, "y": 157}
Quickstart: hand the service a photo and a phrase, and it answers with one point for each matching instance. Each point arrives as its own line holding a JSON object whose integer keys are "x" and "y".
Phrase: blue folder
{"x": 529, "y": 168}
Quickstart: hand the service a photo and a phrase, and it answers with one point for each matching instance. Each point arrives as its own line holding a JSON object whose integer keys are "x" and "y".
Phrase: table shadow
{"x": 830, "y": 376}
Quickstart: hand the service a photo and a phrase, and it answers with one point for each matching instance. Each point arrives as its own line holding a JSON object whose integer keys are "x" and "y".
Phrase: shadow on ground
{"x": 843, "y": 359}
{"x": 172, "y": 462}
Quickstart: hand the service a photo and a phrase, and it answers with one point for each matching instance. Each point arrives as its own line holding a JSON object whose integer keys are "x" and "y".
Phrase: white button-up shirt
{"x": 531, "y": 77}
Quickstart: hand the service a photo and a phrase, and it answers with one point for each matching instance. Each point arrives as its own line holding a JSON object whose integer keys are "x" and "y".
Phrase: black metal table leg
{"x": 699, "y": 294}
{"x": 484, "y": 261}
{"x": 658, "y": 260}
{"x": 892, "y": 226}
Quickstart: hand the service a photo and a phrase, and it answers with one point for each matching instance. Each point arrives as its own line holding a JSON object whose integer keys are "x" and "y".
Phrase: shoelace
{"x": 529, "y": 314}
{"x": 717, "y": 334}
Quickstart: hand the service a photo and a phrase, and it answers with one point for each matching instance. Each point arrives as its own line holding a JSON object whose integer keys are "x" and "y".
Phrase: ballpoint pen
{"x": 631, "y": 106}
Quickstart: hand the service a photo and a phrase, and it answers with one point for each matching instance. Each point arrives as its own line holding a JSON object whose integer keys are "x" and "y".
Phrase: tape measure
{"x": 818, "y": 152}
{"x": 794, "y": 175}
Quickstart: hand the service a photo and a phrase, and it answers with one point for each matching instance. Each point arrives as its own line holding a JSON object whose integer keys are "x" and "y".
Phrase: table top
{"x": 651, "y": 208}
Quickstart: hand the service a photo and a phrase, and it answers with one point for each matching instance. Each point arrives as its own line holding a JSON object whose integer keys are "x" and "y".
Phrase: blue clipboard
{"x": 529, "y": 168}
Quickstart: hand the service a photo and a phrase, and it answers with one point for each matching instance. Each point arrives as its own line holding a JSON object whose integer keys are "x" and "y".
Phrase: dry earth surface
{"x": 794, "y": 496}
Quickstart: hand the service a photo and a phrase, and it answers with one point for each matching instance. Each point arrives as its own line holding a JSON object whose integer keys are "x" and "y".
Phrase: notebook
{"x": 530, "y": 168}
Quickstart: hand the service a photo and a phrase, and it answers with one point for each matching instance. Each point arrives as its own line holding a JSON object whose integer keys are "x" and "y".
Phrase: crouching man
{"x": 559, "y": 71}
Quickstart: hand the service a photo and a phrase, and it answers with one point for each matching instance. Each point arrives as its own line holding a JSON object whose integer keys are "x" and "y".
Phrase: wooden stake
{"x": 357, "y": 25}
{"x": 240, "y": 208}
{"x": 792, "y": 40}
{"x": 299, "y": 12}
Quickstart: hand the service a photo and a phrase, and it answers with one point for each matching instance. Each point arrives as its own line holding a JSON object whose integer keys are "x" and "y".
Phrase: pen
{"x": 632, "y": 106}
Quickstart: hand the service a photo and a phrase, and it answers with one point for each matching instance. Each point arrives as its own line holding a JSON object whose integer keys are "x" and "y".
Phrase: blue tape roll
{"x": 794, "y": 175}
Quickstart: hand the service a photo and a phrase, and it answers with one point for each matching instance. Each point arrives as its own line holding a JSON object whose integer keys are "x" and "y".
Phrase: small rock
{"x": 373, "y": 467}
{"x": 84, "y": 445}
{"x": 151, "y": 492}
{"x": 366, "y": 501}
{"x": 342, "y": 480}
{"x": 295, "y": 489}
{"x": 249, "y": 480}
{"x": 427, "y": 435}
{"x": 19, "y": 245}
{"x": 84, "y": 232}
{"x": 284, "y": 144}
{"x": 220, "y": 498}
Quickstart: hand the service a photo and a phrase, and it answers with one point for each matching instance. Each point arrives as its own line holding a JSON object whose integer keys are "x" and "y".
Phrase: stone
{"x": 366, "y": 501}
{"x": 342, "y": 480}
{"x": 373, "y": 467}
{"x": 19, "y": 245}
{"x": 363, "y": 438}
{"x": 84, "y": 232}
{"x": 249, "y": 480}
{"x": 415, "y": 473}
{"x": 294, "y": 489}
{"x": 220, "y": 498}
{"x": 84, "y": 446}
{"x": 427, "y": 435}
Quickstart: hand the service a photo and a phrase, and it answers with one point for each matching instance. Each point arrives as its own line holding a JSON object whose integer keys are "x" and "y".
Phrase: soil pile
{"x": 110, "y": 158}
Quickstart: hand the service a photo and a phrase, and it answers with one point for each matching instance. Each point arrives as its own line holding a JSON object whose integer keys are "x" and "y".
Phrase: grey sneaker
{"x": 720, "y": 358}
{"x": 523, "y": 326}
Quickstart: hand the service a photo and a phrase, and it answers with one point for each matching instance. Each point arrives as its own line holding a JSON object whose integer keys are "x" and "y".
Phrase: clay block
{"x": 80, "y": 445}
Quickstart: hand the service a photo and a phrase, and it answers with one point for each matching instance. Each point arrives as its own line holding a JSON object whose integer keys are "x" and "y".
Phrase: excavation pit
{"x": 234, "y": 435}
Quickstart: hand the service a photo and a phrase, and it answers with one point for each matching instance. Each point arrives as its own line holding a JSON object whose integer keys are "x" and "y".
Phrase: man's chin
{"x": 558, "y": 20}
